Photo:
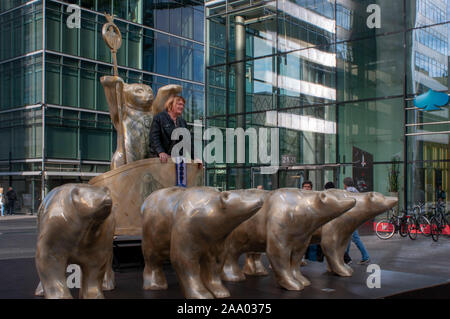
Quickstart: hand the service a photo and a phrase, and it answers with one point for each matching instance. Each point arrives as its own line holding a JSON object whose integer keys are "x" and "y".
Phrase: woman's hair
{"x": 348, "y": 181}
{"x": 172, "y": 100}
{"x": 329, "y": 185}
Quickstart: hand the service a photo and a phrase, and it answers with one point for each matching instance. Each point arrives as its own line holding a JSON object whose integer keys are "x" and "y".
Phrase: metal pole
{"x": 10, "y": 166}
{"x": 240, "y": 84}
{"x": 43, "y": 100}
{"x": 240, "y": 66}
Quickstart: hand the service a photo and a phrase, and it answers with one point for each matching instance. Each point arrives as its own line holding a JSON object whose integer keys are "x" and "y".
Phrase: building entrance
{"x": 294, "y": 176}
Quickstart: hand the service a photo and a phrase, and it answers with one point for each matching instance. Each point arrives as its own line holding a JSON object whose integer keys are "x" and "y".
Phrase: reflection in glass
{"x": 307, "y": 77}
{"x": 428, "y": 151}
{"x": 307, "y": 135}
{"x": 87, "y": 35}
{"x": 428, "y": 59}
{"x": 374, "y": 127}
{"x": 87, "y": 85}
{"x": 135, "y": 10}
{"x": 162, "y": 53}
{"x": 366, "y": 69}
{"x": 217, "y": 177}
{"x": 305, "y": 24}
{"x": 216, "y": 98}
{"x": 429, "y": 168}
{"x": 354, "y": 18}
{"x": 134, "y": 47}
{"x": 21, "y": 134}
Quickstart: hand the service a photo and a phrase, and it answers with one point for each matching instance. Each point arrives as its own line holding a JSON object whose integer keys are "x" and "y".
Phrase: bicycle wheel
{"x": 412, "y": 228}
{"x": 403, "y": 231}
{"x": 424, "y": 225}
{"x": 385, "y": 229}
{"x": 435, "y": 228}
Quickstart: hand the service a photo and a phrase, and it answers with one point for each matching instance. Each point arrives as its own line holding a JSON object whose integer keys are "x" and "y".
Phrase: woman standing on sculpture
{"x": 163, "y": 124}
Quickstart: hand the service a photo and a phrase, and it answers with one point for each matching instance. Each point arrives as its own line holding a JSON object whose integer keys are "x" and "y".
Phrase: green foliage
{"x": 393, "y": 175}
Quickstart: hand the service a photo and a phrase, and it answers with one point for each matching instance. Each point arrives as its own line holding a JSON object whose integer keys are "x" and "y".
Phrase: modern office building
{"x": 54, "y": 121}
{"x": 338, "y": 79}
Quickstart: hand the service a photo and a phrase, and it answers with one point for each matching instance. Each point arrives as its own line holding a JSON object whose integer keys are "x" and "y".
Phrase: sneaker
{"x": 349, "y": 262}
{"x": 364, "y": 262}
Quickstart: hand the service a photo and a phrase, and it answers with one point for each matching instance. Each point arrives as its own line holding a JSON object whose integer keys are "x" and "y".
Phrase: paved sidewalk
{"x": 15, "y": 217}
{"x": 421, "y": 256}
{"x": 404, "y": 263}
{"x": 18, "y": 234}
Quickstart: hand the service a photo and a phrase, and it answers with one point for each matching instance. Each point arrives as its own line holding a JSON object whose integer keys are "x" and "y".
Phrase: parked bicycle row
{"x": 430, "y": 221}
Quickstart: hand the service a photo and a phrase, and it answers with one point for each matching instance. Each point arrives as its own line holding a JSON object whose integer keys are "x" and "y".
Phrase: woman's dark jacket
{"x": 161, "y": 132}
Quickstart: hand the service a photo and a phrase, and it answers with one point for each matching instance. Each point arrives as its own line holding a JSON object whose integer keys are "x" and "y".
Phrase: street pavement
{"x": 415, "y": 258}
{"x": 421, "y": 256}
{"x": 17, "y": 236}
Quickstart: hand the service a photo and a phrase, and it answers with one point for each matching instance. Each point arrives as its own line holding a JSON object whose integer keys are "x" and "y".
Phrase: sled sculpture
{"x": 130, "y": 185}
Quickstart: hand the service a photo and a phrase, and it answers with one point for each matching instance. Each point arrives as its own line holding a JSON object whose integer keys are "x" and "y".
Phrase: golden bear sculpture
{"x": 190, "y": 225}
{"x": 335, "y": 235}
{"x": 283, "y": 228}
{"x": 75, "y": 226}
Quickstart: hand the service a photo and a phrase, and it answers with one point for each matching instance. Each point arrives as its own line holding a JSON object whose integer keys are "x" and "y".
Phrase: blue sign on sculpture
{"x": 431, "y": 100}
{"x": 181, "y": 172}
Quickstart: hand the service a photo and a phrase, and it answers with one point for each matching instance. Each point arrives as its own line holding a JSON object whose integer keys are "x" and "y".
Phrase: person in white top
{"x": 2, "y": 206}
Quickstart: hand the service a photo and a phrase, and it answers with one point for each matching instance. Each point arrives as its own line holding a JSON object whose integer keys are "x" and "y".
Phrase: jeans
{"x": 311, "y": 252}
{"x": 359, "y": 244}
{"x": 10, "y": 208}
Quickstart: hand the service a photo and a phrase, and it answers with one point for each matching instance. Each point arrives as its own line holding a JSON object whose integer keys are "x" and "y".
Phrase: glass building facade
{"x": 338, "y": 79}
{"x": 54, "y": 121}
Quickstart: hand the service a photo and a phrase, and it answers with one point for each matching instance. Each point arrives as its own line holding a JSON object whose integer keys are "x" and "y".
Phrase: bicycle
{"x": 387, "y": 227}
{"x": 418, "y": 222}
{"x": 438, "y": 221}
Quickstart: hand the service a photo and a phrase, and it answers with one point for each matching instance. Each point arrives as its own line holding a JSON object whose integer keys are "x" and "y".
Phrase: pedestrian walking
{"x": 314, "y": 252}
{"x": 11, "y": 197}
{"x": 2, "y": 203}
{"x": 365, "y": 258}
{"x": 347, "y": 258}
